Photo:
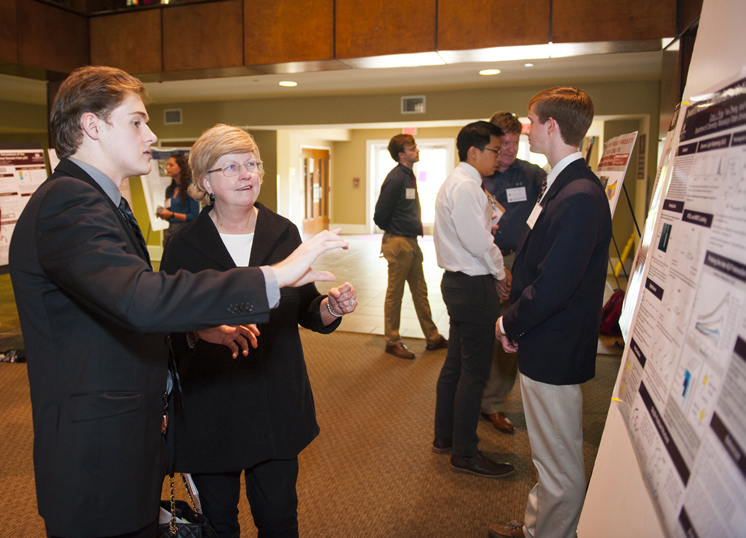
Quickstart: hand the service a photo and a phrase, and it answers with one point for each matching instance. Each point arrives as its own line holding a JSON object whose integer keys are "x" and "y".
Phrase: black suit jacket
{"x": 239, "y": 412}
{"x": 559, "y": 275}
{"x": 94, "y": 318}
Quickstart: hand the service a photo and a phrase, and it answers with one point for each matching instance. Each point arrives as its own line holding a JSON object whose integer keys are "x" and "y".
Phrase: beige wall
{"x": 349, "y": 205}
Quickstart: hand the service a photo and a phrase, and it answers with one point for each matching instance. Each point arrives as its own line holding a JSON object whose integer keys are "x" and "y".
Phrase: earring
{"x": 212, "y": 198}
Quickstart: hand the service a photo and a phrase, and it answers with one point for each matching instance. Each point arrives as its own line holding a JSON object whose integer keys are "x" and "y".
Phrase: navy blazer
{"x": 239, "y": 412}
{"x": 559, "y": 275}
{"x": 95, "y": 319}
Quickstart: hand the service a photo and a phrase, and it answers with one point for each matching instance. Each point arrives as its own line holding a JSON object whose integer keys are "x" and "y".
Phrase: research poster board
{"x": 639, "y": 264}
{"x": 682, "y": 385}
{"x": 155, "y": 183}
{"x": 613, "y": 165}
{"x": 21, "y": 173}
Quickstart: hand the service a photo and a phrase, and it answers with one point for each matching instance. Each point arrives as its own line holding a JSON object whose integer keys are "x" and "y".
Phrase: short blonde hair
{"x": 215, "y": 142}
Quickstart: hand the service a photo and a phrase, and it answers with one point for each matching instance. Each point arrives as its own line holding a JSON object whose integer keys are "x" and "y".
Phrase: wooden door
{"x": 315, "y": 164}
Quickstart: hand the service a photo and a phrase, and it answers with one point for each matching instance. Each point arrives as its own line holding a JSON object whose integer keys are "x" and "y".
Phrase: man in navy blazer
{"x": 559, "y": 275}
{"x": 95, "y": 316}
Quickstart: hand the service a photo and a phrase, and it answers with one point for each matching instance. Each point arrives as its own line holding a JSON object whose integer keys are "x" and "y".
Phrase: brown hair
{"x": 94, "y": 89}
{"x": 182, "y": 161}
{"x": 397, "y": 143}
{"x": 571, "y": 108}
{"x": 507, "y": 122}
{"x": 215, "y": 142}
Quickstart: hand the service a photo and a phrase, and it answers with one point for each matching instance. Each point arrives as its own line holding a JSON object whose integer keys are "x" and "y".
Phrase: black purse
{"x": 196, "y": 525}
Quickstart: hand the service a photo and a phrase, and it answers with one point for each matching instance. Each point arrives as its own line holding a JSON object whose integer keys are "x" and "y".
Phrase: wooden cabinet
{"x": 281, "y": 31}
{"x": 379, "y": 27}
{"x": 50, "y": 38}
{"x": 476, "y": 24}
{"x": 129, "y": 41}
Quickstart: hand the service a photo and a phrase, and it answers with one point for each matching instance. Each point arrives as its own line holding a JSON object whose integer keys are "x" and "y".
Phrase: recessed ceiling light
{"x": 489, "y": 72}
{"x": 288, "y": 83}
{"x": 528, "y": 65}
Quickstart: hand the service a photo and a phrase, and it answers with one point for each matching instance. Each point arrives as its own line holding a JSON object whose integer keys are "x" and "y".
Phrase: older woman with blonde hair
{"x": 252, "y": 414}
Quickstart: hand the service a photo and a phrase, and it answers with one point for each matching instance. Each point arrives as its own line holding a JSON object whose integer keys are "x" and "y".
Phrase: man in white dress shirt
{"x": 474, "y": 281}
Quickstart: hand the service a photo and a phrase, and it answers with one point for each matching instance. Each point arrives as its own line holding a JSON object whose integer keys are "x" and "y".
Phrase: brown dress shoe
{"x": 440, "y": 343}
{"x": 511, "y": 530}
{"x": 399, "y": 350}
{"x": 500, "y": 422}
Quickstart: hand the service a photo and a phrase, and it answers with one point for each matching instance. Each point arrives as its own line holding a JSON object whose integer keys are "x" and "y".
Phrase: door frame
{"x": 302, "y": 178}
{"x": 370, "y": 170}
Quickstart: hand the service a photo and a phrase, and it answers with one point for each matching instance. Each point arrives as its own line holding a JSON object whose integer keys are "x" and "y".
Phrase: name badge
{"x": 516, "y": 194}
{"x": 410, "y": 194}
{"x": 534, "y": 216}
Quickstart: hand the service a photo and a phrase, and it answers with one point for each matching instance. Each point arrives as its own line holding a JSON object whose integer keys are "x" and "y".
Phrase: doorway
{"x": 437, "y": 157}
{"x": 315, "y": 167}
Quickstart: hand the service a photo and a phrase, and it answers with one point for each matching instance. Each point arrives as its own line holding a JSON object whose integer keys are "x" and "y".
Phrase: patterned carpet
{"x": 371, "y": 472}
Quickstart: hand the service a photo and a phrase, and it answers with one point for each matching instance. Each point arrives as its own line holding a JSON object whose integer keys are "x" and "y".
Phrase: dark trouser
{"x": 473, "y": 307}
{"x": 270, "y": 489}
{"x": 149, "y": 531}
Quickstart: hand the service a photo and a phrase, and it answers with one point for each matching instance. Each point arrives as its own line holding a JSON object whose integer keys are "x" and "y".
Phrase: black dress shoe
{"x": 442, "y": 446}
{"x": 481, "y": 465}
{"x": 440, "y": 343}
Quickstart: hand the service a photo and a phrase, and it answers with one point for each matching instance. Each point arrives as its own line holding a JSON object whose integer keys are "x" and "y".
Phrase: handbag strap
{"x": 189, "y": 493}
{"x": 172, "y": 528}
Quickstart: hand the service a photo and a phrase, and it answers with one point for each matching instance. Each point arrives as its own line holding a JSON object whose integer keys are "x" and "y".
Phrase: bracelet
{"x": 329, "y": 308}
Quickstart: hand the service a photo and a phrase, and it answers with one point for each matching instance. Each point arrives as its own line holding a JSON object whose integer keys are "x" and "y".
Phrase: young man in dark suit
{"x": 95, "y": 316}
{"x": 556, "y": 299}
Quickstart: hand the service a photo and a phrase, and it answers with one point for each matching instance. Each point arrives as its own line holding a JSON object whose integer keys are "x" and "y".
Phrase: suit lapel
{"x": 207, "y": 240}
{"x": 67, "y": 168}
{"x": 266, "y": 234}
{"x": 557, "y": 185}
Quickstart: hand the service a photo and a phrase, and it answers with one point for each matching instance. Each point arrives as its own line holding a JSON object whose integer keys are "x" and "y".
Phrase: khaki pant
{"x": 404, "y": 257}
{"x": 504, "y": 369}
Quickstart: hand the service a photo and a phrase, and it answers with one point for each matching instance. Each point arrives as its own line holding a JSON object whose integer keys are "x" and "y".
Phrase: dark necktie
{"x": 129, "y": 216}
{"x": 541, "y": 191}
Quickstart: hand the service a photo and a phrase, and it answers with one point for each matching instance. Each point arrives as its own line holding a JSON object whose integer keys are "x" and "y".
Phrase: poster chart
{"x": 21, "y": 173}
{"x": 155, "y": 183}
{"x": 682, "y": 383}
{"x": 613, "y": 165}
{"x": 639, "y": 264}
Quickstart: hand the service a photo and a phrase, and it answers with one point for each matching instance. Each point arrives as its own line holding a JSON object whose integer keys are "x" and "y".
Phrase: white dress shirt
{"x": 555, "y": 171}
{"x": 463, "y": 220}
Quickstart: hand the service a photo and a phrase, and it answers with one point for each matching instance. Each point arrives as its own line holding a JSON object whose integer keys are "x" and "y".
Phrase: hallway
{"x": 362, "y": 266}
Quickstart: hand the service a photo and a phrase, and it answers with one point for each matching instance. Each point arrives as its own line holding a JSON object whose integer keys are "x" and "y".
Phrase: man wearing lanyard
{"x": 399, "y": 215}
{"x": 474, "y": 282}
{"x": 556, "y": 298}
{"x": 515, "y": 186}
